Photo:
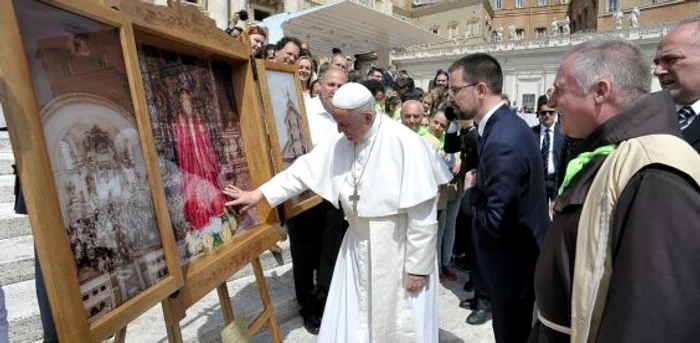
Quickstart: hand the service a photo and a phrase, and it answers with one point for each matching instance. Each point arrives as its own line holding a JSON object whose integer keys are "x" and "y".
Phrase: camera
{"x": 450, "y": 113}
{"x": 243, "y": 15}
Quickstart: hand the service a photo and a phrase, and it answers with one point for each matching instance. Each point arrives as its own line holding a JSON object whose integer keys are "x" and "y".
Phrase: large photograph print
{"x": 79, "y": 79}
{"x": 199, "y": 144}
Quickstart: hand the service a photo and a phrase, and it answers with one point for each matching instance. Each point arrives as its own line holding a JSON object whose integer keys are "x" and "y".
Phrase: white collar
{"x": 695, "y": 106}
{"x": 487, "y": 116}
{"x": 542, "y": 128}
{"x": 373, "y": 129}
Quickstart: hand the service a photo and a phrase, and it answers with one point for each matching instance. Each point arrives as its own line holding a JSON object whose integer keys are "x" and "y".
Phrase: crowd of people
{"x": 558, "y": 214}
{"x": 584, "y": 224}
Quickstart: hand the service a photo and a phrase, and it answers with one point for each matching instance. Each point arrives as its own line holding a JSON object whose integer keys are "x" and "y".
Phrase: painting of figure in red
{"x": 199, "y": 144}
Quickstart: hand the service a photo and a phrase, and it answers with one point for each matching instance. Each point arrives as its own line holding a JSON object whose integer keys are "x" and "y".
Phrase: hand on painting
{"x": 470, "y": 179}
{"x": 243, "y": 199}
{"x": 415, "y": 282}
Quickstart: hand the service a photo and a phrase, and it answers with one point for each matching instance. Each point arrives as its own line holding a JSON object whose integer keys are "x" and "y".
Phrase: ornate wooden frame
{"x": 52, "y": 243}
{"x": 177, "y": 28}
{"x": 290, "y": 208}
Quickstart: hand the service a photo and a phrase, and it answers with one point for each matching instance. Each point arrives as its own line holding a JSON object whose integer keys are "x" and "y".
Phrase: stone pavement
{"x": 204, "y": 321}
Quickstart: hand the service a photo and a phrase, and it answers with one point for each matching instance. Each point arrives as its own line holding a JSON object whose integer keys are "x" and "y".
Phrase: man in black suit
{"x": 551, "y": 141}
{"x": 678, "y": 69}
{"x": 508, "y": 200}
{"x": 544, "y": 98}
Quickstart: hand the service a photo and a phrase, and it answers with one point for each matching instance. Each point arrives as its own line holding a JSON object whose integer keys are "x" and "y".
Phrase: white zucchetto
{"x": 351, "y": 96}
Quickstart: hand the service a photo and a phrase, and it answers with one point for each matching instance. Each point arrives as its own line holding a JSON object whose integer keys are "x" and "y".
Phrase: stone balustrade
{"x": 460, "y": 46}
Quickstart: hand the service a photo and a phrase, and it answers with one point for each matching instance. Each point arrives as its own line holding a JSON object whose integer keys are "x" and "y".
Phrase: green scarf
{"x": 578, "y": 163}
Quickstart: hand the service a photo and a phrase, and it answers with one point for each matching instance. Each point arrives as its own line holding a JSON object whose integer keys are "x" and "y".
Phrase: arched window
{"x": 67, "y": 155}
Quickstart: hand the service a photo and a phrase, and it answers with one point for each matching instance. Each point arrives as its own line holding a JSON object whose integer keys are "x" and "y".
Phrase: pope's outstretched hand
{"x": 243, "y": 199}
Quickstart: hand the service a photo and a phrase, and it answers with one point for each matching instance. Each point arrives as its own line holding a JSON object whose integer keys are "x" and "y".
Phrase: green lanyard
{"x": 578, "y": 163}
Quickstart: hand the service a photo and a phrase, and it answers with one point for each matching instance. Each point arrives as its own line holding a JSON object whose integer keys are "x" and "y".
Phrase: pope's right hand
{"x": 243, "y": 199}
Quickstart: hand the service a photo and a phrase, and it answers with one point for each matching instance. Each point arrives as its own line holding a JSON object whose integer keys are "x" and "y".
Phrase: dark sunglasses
{"x": 549, "y": 113}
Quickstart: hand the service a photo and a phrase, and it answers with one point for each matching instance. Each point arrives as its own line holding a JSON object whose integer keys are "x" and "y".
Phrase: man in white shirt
{"x": 551, "y": 141}
{"x": 678, "y": 69}
{"x": 316, "y": 234}
{"x": 321, "y": 122}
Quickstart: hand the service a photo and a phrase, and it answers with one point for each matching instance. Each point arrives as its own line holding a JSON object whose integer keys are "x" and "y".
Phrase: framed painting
{"x": 287, "y": 124}
{"x": 200, "y": 97}
{"x": 86, "y": 162}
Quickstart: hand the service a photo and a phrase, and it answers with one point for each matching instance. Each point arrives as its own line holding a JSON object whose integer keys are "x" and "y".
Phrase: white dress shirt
{"x": 321, "y": 123}
{"x": 487, "y": 116}
{"x": 550, "y": 169}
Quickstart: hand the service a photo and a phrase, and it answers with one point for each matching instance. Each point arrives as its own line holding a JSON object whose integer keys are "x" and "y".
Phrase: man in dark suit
{"x": 678, "y": 69}
{"x": 544, "y": 98}
{"x": 508, "y": 200}
{"x": 551, "y": 141}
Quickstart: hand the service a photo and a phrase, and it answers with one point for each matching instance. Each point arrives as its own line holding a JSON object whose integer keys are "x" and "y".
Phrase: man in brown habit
{"x": 621, "y": 262}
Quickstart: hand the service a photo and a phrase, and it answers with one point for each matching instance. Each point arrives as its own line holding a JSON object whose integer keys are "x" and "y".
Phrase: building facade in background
{"x": 600, "y": 15}
{"x": 222, "y": 10}
{"x": 527, "y": 36}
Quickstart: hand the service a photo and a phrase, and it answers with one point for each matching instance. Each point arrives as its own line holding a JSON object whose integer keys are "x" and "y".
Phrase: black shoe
{"x": 312, "y": 323}
{"x": 469, "y": 286}
{"x": 469, "y": 303}
{"x": 478, "y": 317}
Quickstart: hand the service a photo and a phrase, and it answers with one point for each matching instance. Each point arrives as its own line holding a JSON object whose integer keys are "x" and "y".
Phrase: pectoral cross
{"x": 354, "y": 198}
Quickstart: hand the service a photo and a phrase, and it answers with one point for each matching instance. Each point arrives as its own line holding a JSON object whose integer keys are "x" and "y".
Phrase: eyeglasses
{"x": 549, "y": 113}
{"x": 452, "y": 91}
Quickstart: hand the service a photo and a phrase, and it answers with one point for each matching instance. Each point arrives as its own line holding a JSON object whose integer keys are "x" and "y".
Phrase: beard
{"x": 464, "y": 115}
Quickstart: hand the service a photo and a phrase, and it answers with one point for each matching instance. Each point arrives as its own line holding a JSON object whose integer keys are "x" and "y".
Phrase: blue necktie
{"x": 686, "y": 115}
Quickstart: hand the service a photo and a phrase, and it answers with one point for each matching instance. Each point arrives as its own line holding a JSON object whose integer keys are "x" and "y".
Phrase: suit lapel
{"x": 558, "y": 143}
{"x": 495, "y": 117}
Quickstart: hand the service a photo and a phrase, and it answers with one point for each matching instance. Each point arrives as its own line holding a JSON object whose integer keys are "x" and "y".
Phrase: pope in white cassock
{"x": 385, "y": 285}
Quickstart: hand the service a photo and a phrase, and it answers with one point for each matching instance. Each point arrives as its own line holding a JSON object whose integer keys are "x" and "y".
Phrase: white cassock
{"x": 392, "y": 233}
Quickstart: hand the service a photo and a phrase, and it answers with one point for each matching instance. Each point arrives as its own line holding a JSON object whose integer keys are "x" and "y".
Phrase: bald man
{"x": 678, "y": 69}
{"x": 412, "y": 116}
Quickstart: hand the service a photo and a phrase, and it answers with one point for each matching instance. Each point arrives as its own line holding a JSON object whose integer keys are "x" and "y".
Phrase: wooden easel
{"x": 174, "y": 308}
{"x": 182, "y": 29}
{"x": 256, "y": 243}
{"x": 212, "y": 272}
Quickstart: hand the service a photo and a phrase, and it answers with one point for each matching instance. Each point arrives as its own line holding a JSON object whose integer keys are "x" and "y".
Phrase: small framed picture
{"x": 287, "y": 123}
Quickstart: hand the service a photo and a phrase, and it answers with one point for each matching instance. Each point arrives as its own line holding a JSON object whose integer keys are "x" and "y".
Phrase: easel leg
{"x": 120, "y": 336}
{"x": 267, "y": 303}
{"x": 172, "y": 322}
{"x": 225, "y": 302}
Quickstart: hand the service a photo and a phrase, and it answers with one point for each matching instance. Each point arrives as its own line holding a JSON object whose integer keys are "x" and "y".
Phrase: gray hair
{"x": 616, "y": 60}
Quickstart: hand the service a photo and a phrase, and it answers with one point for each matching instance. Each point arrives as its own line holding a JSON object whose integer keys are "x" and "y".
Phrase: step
{"x": 5, "y": 145}
{"x": 203, "y": 319}
{"x": 7, "y": 159}
{"x": 16, "y": 260}
{"x": 23, "y": 312}
{"x": 7, "y": 188}
{"x": 11, "y": 224}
